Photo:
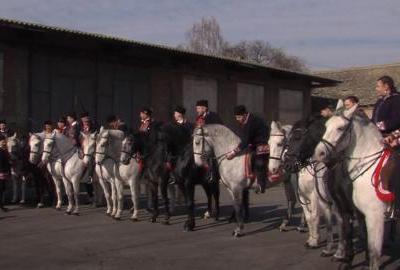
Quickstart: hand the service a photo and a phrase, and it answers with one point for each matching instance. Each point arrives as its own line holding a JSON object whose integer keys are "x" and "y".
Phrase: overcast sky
{"x": 326, "y": 33}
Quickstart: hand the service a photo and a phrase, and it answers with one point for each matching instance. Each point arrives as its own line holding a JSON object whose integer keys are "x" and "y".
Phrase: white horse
{"x": 36, "y": 151}
{"x": 215, "y": 141}
{"x": 361, "y": 142}
{"x": 315, "y": 200}
{"x": 17, "y": 175}
{"x": 69, "y": 165}
{"x": 129, "y": 172}
{"x": 107, "y": 157}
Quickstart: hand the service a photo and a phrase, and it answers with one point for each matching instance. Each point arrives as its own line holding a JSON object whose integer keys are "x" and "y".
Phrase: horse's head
{"x": 35, "y": 143}
{"x": 49, "y": 143}
{"x": 304, "y": 137}
{"x": 88, "y": 146}
{"x": 334, "y": 139}
{"x": 201, "y": 147}
{"x": 102, "y": 142}
{"x": 13, "y": 147}
{"x": 277, "y": 145}
{"x": 127, "y": 149}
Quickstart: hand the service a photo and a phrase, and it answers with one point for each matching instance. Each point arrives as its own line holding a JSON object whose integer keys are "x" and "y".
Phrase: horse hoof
{"x": 327, "y": 253}
{"x": 166, "y": 222}
{"x": 40, "y": 205}
{"x": 117, "y": 218}
{"x": 76, "y": 214}
{"x": 301, "y": 229}
{"x": 308, "y": 246}
{"x": 153, "y": 220}
{"x": 237, "y": 234}
{"x": 58, "y": 208}
{"x": 283, "y": 229}
{"x": 344, "y": 266}
{"x": 68, "y": 213}
{"x": 21, "y": 202}
{"x": 134, "y": 219}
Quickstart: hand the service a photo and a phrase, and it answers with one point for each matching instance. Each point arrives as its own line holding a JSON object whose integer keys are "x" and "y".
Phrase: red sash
{"x": 383, "y": 194}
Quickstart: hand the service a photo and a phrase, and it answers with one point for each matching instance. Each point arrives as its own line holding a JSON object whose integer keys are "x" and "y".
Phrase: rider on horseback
{"x": 386, "y": 116}
{"x": 207, "y": 117}
{"x": 254, "y": 136}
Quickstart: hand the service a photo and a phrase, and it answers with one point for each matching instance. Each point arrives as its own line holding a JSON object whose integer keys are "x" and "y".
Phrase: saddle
{"x": 386, "y": 171}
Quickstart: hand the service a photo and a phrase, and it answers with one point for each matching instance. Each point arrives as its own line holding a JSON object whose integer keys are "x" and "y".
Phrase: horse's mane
{"x": 217, "y": 130}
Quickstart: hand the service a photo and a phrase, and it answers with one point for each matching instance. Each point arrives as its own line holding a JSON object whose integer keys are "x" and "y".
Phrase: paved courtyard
{"x": 47, "y": 239}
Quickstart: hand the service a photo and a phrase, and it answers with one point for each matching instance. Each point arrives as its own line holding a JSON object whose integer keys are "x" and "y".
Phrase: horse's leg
{"x": 291, "y": 201}
{"x": 57, "y": 184}
{"x": 172, "y": 194}
{"x": 164, "y": 194}
{"x": 216, "y": 193}
{"x": 69, "y": 191}
{"x": 14, "y": 179}
{"x": 114, "y": 197}
{"x": 313, "y": 222}
{"x": 76, "y": 185}
{"x": 135, "y": 194}
{"x": 246, "y": 204}
{"x": 375, "y": 231}
{"x": 189, "y": 191}
{"x": 107, "y": 196}
{"x": 237, "y": 205}
{"x": 119, "y": 189}
{"x": 208, "y": 192}
{"x": 154, "y": 198}
{"x": 39, "y": 188}
{"x": 363, "y": 234}
{"x": 329, "y": 250}
{"x": 23, "y": 190}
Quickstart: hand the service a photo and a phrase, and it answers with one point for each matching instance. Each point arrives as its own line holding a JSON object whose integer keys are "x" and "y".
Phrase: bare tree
{"x": 206, "y": 37}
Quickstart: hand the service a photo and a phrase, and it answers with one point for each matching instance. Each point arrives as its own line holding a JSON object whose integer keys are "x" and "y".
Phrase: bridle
{"x": 283, "y": 147}
{"x": 203, "y": 153}
{"x": 329, "y": 146}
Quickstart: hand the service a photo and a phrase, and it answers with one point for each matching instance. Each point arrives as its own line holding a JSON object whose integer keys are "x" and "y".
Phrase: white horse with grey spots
{"x": 36, "y": 151}
{"x": 362, "y": 145}
{"x": 63, "y": 156}
{"x": 315, "y": 200}
{"x": 107, "y": 158}
{"x": 215, "y": 141}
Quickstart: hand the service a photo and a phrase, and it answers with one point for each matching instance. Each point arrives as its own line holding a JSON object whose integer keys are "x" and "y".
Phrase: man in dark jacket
{"x": 254, "y": 136}
{"x": 204, "y": 116}
{"x": 4, "y": 130}
{"x": 73, "y": 130}
{"x": 181, "y": 121}
{"x": 386, "y": 116}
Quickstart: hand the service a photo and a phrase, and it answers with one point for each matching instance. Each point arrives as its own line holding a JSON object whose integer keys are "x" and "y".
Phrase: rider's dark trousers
{"x": 260, "y": 168}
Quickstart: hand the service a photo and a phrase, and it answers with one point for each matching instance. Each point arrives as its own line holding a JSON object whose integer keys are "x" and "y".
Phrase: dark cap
{"x": 180, "y": 109}
{"x": 147, "y": 110}
{"x": 239, "y": 110}
{"x": 3, "y": 121}
{"x": 202, "y": 102}
{"x": 111, "y": 118}
{"x": 48, "y": 122}
{"x": 62, "y": 120}
{"x": 72, "y": 115}
{"x": 84, "y": 115}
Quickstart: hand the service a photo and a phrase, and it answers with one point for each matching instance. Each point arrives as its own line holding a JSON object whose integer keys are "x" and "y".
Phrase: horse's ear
{"x": 14, "y": 136}
{"x": 101, "y": 129}
{"x": 339, "y": 104}
{"x": 349, "y": 113}
{"x": 274, "y": 125}
{"x": 30, "y": 134}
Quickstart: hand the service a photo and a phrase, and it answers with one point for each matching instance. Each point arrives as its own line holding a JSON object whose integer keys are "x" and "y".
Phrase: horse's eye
{"x": 341, "y": 128}
{"x": 280, "y": 144}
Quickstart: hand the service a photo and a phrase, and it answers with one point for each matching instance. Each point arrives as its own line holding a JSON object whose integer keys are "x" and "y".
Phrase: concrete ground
{"x": 48, "y": 239}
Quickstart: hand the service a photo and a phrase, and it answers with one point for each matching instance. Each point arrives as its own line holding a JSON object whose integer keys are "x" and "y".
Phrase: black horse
{"x": 185, "y": 173}
{"x": 36, "y": 174}
{"x": 306, "y": 134}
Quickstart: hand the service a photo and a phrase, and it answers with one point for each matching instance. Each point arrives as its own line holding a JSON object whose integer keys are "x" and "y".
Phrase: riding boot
{"x": 394, "y": 184}
{"x": 2, "y": 190}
